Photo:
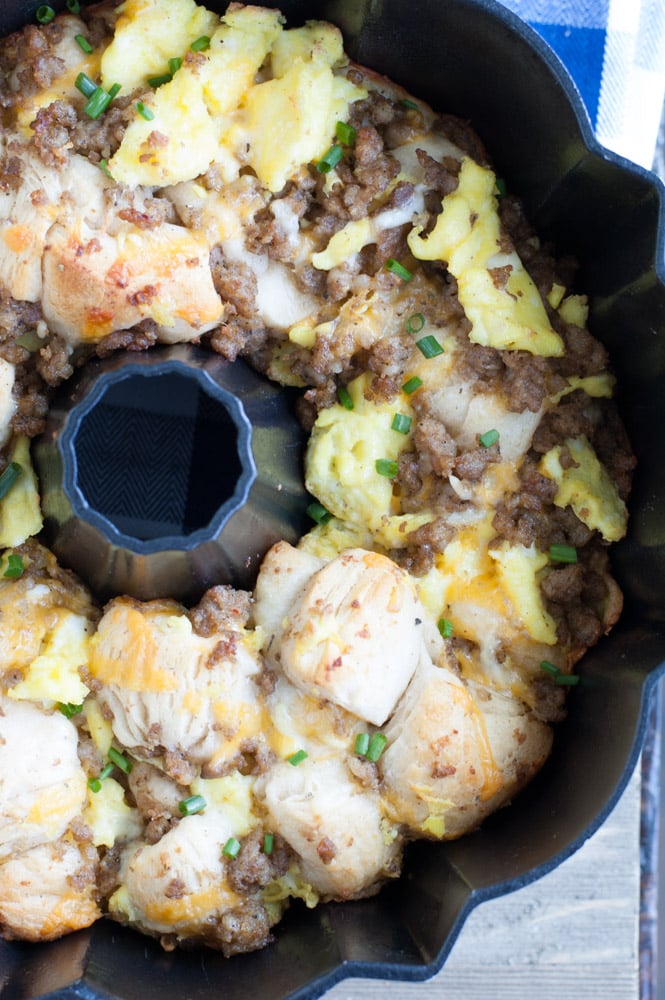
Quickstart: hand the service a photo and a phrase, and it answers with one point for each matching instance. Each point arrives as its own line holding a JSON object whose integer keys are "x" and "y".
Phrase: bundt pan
{"x": 472, "y": 58}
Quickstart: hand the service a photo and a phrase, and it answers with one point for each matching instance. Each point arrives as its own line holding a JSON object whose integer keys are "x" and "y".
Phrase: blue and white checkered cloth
{"x": 615, "y": 52}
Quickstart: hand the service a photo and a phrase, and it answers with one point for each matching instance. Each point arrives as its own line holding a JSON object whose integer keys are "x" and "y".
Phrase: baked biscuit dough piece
{"x": 334, "y": 825}
{"x": 456, "y": 752}
{"x": 48, "y": 891}
{"x": 42, "y": 783}
{"x": 353, "y": 631}
{"x": 179, "y": 888}
{"x": 172, "y": 691}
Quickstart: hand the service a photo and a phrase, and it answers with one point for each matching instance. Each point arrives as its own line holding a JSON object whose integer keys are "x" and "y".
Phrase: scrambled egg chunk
{"x": 586, "y": 487}
{"x": 215, "y": 108}
{"x": 498, "y": 295}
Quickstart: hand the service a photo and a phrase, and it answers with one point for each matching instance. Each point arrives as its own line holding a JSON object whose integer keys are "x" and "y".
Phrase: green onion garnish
{"x": 415, "y": 323}
{"x": 386, "y": 467}
{"x": 106, "y": 772}
{"x": 157, "y": 81}
{"x": 95, "y": 785}
{"x": 268, "y": 843}
{"x": 429, "y": 346}
{"x": 445, "y": 627}
{"x": 376, "y": 747}
{"x": 9, "y": 477}
{"x": 85, "y": 84}
{"x": 330, "y": 159}
{"x": 145, "y": 111}
{"x": 563, "y": 553}
{"x": 15, "y": 566}
{"x": 120, "y": 760}
{"x": 175, "y": 62}
{"x": 567, "y": 680}
{"x": 401, "y": 423}
{"x": 318, "y": 512}
{"x": 395, "y": 267}
{"x": 344, "y": 397}
{"x": 45, "y": 14}
{"x": 231, "y": 848}
{"x": 73, "y": 6}
{"x": 30, "y": 341}
{"x": 194, "y": 804}
{"x": 115, "y": 90}
{"x": 361, "y": 745}
{"x": 97, "y": 103}
{"x": 83, "y": 44}
{"x": 411, "y": 105}
{"x": 501, "y": 189}
{"x": 345, "y": 133}
{"x": 68, "y": 709}
{"x": 104, "y": 167}
{"x": 489, "y": 438}
{"x": 297, "y": 758}
{"x": 412, "y": 384}
{"x": 200, "y": 44}
{"x": 564, "y": 680}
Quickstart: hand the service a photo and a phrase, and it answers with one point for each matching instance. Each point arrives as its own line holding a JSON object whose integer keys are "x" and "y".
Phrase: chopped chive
{"x": 415, "y": 323}
{"x": 344, "y": 397}
{"x": 68, "y": 709}
{"x": 563, "y": 553}
{"x": 9, "y": 477}
{"x": 45, "y": 14}
{"x": 401, "y": 423}
{"x": 83, "y": 44}
{"x": 330, "y": 159}
{"x": 429, "y": 346}
{"x": 318, "y": 512}
{"x": 115, "y": 90}
{"x": 85, "y": 84}
{"x": 192, "y": 805}
{"x": 15, "y": 566}
{"x": 445, "y": 627}
{"x": 175, "y": 62}
{"x": 200, "y": 44}
{"x": 119, "y": 760}
{"x": 501, "y": 189}
{"x": 268, "y": 843}
{"x": 376, "y": 747}
{"x": 411, "y": 105}
{"x": 361, "y": 745}
{"x": 395, "y": 267}
{"x": 231, "y": 848}
{"x": 345, "y": 133}
{"x": 30, "y": 341}
{"x": 73, "y": 6}
{"x": 97, "y": 103}
{"x": 489, "y": 438}
{"x": 95, "y": 785}
{"x": 412, "y": 384}
{"x": 386, "y": 467}
{"x": 157, "y": 81}
{"x": 298, "y": 757}
{"x": 145, "y": 111}
{"x": 104, "y": 167}
{"x": 106, "y": 772}
{"x": 563, "y": 680}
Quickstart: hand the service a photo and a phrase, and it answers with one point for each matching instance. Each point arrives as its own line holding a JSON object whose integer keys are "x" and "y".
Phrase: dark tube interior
{"x": 157, "y": 456}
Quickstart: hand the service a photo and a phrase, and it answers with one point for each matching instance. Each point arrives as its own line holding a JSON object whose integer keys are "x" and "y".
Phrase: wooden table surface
{"x": 572, "y": 935}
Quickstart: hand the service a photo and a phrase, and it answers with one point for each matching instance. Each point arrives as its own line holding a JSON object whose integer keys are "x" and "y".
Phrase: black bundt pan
{"x": 475, "y": 59}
